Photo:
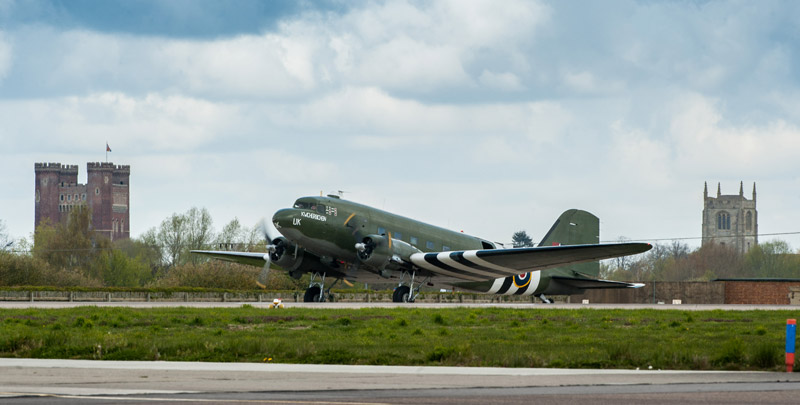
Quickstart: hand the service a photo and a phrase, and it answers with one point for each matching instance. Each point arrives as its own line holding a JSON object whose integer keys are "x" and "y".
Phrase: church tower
{"x": 730, "y": 220}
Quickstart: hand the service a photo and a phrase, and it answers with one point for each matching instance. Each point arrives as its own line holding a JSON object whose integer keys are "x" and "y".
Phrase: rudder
{"x": 575, "y": 227}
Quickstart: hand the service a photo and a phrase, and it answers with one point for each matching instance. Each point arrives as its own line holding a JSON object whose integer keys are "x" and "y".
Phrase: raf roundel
{"x": 522, "y": 280}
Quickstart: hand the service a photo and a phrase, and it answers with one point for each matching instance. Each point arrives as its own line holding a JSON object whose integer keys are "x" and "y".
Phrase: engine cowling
{"x": 286, "y": 255}
{"x": 377, "y": 251}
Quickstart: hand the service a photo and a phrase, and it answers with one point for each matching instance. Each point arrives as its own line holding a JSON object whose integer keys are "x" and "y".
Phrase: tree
{"x": 200, "y": 229}
{"x": 171, "y": 237}
{"x": 180, "y": 233}
{"x": 714, "y": 261}
{"x": 678, "y": 250}
{"x": 772, "y": 259}
{"x": 234, "y": 236}
{"x": 5, "y": 240}
{"x": 71, "y": 244}
{"x": 521, "y": 239}
{"x": 116, "y": 269}
{"x": 145, "y": 251}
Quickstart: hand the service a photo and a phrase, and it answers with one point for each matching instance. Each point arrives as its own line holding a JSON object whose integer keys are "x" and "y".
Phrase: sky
{"x": 482, "y": 116}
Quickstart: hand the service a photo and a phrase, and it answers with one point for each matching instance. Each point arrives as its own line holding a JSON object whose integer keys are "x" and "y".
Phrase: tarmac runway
{"x": 31, "y": 381}
{"x": 357, "y": 305}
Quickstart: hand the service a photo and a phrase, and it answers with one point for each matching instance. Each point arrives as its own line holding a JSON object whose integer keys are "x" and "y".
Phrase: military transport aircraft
{"x": 330, "y": 237}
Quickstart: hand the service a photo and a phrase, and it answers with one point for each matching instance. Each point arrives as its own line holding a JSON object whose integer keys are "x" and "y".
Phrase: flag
{"x": 108, "y": 149}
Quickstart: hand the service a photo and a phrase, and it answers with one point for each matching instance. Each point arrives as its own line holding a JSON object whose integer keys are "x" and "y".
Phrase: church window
{"x": 723, "y": 220}
{"x": 97, "y": 190}
{"x": 749, "y": 220}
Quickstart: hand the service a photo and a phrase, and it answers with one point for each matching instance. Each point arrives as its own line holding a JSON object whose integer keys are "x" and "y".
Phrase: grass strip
{"x": 486, "y": 337}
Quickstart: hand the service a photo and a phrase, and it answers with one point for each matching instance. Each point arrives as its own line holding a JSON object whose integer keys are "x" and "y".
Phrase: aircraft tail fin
{"x": 575, "y": 227}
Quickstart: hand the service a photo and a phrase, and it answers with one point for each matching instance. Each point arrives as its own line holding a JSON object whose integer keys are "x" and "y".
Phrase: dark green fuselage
{"x": 328, "y": 230}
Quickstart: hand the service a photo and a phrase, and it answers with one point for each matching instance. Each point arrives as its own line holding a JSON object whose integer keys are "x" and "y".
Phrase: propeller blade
{"x": 262, "y": 277}
{"x": 262, "y": 226}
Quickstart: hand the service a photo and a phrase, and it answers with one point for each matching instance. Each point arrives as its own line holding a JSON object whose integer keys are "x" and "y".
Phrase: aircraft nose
{"x": 283, "y": 218}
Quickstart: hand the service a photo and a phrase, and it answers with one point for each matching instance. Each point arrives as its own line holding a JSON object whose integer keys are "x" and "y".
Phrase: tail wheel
{"x": 313, "y": 294}
{"x": 401, "y": 294}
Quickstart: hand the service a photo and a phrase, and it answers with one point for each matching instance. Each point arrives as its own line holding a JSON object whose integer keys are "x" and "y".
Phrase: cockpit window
{"x": 301, "y": 205}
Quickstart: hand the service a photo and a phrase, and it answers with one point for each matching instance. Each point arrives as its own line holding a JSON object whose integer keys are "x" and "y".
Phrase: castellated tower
{"x": 106, "y": 193}
{"x": 730, "y": 220}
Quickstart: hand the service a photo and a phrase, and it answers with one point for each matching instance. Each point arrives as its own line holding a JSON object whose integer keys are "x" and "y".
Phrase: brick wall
{"x": 758, "y": 292}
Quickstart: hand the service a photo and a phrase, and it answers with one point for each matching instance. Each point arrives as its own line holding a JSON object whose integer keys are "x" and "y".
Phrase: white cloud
{"x": 5, "y": 56}
{"x": 707, "y": 143}
{"x": 396, "y": 46}
{"x": 638, "y": 158}
{"x": 154, "y": 122}
{"x": 581, "y": 81}
{"x": 421, "y": 50}
{"x": 501, "y": 81}
{"x": 406, "y": 64}
{"x": 266, "y": 66}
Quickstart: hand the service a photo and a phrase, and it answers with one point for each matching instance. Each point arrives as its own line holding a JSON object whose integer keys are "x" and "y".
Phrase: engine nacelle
{"x": 286, "y": 255}
{"x": 377, "y": 251}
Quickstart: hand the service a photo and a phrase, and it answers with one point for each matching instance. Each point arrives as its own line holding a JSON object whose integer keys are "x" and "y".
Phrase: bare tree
{"x": 679, "y": 250}
{"x": 5, "y": 240}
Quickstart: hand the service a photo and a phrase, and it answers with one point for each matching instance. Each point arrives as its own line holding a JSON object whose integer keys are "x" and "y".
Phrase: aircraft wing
{"x": 251, "y": 258}
{"x": 480, "y": 265}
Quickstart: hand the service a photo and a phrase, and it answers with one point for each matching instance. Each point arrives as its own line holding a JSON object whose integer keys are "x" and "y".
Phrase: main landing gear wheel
{"x": 313, "y": 294}
{"x": 401, "y": 294}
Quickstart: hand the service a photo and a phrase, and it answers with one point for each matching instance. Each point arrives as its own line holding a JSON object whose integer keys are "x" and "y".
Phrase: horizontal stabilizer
{"x": 590, "y": 284}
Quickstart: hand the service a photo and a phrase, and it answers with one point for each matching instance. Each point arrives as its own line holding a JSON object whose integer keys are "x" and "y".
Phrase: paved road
{"x": 357, "y": 305}
{"x": 29, "y": 381}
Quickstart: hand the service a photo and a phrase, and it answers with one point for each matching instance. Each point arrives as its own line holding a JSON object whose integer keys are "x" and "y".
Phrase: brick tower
{"x": 106, "y": 193}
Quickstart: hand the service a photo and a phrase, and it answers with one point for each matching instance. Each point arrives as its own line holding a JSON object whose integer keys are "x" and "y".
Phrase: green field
{"x": 494, "y": 337}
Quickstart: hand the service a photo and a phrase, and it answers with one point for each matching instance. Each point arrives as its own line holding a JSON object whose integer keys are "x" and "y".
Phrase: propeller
{"x": 365, "y": 248}
{"x": 271, "y": 249}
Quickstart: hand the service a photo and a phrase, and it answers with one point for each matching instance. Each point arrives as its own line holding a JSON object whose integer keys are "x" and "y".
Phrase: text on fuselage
{"x": 316, "y": 217}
